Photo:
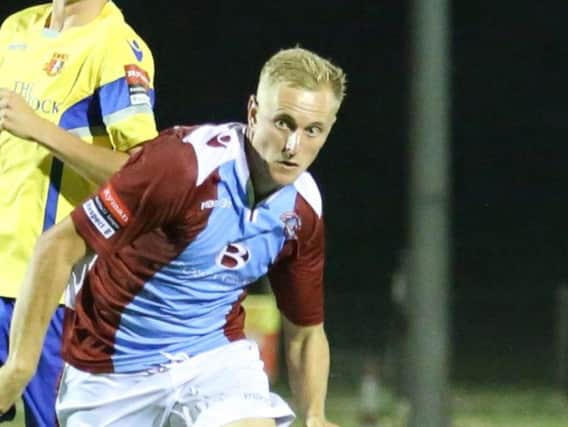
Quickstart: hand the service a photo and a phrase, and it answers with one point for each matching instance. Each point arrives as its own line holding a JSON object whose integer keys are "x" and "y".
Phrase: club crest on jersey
{"x": 292, "y": 224}
{"x": 55, "y": 64}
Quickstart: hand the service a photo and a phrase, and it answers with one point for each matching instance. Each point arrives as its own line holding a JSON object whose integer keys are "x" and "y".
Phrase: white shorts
{"x": 211, "y": 389}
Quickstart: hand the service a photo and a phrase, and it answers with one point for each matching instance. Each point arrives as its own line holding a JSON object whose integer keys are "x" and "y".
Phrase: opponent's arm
{"x": 307, "y": 357}
{"x": 93, "y": 162}
{"x": 56, "y": 252}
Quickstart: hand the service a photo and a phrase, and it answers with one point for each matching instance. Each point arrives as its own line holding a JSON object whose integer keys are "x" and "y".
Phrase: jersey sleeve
{"x": 126, "y": 90}
{"x": 297, "y": 275}
{"x": 152, "y": 191}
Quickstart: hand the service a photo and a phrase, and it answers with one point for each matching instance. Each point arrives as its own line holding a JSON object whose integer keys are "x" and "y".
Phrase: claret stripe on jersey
{"x": 171, "y": 280}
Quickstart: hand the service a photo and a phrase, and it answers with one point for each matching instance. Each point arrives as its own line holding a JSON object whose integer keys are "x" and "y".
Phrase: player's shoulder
{"x": 308, "y": 189}
{"x": 215, "y": 145}
{"x": 201, "y": 148}
{"x": 167, "y": 155}
{"x": 121, "y": 40}
{"x": 25, "y": 18}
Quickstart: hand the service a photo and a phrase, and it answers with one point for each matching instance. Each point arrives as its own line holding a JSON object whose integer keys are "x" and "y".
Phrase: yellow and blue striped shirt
{"x": 95, "y": 81}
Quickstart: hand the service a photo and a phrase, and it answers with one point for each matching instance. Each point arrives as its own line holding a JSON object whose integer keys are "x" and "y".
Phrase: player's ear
{"x": 252, "y": 111}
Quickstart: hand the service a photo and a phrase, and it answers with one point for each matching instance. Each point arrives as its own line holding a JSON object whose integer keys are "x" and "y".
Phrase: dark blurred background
{"x": 509, "y": 203}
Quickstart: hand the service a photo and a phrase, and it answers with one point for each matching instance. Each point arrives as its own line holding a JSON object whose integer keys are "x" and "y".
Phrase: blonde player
{"x": 182, "y": 230}
{"x": 75, "y": 96}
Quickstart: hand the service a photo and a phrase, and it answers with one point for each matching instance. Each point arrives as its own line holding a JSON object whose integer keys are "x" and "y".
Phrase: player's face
{"x": 288, "y": 127}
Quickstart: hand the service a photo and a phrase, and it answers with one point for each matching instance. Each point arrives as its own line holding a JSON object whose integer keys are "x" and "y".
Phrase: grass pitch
{"x": 472, "y": 406}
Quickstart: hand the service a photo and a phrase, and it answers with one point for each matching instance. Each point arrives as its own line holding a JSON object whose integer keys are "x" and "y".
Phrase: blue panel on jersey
{"x": 115, "y": 96}
{"x": 107, "y": 99}
{"x": 204, "y": 282}
{"x": 53, "y": 193}
{"x": 85, "y": 113}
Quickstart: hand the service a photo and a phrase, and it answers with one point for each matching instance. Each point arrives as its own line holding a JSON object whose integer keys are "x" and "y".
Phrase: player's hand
{"x": 16, "y": 116}
{"x": 318, "y": 422}
{"x": 11, "y": 387}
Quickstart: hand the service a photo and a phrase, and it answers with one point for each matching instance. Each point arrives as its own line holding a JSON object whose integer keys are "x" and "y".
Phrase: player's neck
{"x": 73, "y": 13}
{"x": 261, "y": 184}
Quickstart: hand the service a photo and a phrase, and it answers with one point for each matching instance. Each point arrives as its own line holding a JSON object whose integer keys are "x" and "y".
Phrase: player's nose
{"x": 292, "y": 144}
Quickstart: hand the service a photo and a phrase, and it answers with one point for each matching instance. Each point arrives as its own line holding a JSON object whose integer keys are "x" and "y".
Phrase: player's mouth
{"x": 287, "y": 164}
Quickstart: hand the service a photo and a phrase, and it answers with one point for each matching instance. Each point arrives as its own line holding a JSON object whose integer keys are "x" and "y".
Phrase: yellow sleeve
{"x": 126, "y": 89}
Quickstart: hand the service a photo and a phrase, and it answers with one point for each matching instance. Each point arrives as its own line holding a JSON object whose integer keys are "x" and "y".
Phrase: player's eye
{"x": 281, "y": 124}
{"x": 314, "y": 130}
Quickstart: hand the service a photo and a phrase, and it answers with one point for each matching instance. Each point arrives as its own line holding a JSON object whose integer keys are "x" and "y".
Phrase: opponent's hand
{"x": 16, "y": 116}
{"x": 11, "y": 387}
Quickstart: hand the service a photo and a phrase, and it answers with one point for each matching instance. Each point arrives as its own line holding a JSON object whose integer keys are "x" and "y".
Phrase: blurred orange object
{"x": 262, "y": 324}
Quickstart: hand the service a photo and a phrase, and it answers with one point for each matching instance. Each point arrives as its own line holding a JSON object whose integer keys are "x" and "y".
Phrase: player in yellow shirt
{"x": 76, "y": 94}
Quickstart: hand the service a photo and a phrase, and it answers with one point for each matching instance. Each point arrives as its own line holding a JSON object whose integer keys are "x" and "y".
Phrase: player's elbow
{"x": 300, "y": 333}
{"x": 62, "y": 243}
{"x": 300, "y": 339}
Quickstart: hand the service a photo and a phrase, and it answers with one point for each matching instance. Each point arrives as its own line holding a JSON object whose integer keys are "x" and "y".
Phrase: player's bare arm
{"x": 307, "y": 356}
{"x": 93, "y": 162}
{"x": 55, "y": 253}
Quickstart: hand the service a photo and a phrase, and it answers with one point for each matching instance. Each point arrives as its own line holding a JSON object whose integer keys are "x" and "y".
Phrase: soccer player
{"x": 75, "y": 96}
{"x": 194, "y": 217}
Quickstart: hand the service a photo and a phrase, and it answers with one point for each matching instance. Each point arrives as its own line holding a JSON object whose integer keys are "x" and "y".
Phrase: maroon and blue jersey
{"x": 177, "y": 243}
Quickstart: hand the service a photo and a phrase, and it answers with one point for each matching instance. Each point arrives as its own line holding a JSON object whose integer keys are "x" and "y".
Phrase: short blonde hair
{"x": 302, "y": 68}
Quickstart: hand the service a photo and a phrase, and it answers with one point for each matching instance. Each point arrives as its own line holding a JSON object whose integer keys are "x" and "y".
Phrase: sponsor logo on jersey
{"x": 138, "y": 53}
{"x": 216, "y": 203}
{"x": 26, "y": 91}
{"x": 98, "y": 218}
{"x": 55, "y": 64}
{"x": 138, "y": 84}
{"x": 292, "y": 224}
{"x": 233, "y": 256}
{"x": 17, "y": 46}
{"x": 105, "y": 213}
{"x": 116, "y": 208}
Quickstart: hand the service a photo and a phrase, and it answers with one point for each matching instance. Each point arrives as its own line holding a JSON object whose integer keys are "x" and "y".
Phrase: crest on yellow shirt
{"x": 55, "y": 64}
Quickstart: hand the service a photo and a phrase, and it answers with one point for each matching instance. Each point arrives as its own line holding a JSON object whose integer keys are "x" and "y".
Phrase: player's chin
{"x": 285, "y": 177}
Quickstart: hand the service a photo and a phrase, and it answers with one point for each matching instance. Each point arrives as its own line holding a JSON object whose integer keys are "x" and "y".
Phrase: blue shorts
{"x": 39, "y": 396}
